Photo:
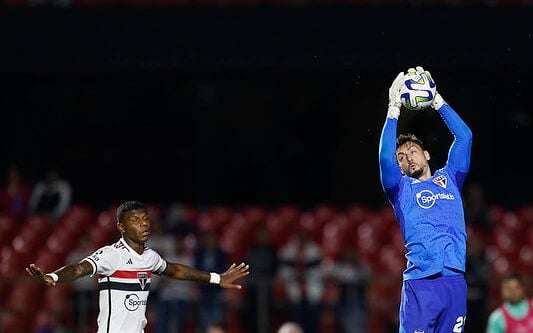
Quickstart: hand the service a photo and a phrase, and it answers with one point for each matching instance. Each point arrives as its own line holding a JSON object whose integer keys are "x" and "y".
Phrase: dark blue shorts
{"x": 433, "y": 305}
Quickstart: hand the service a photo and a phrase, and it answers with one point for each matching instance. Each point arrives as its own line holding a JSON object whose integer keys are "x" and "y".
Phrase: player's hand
{"x": 395, "y": 102}
{"x": 438, "y": 101}
{"x": 35, "y": 272}
{"x": 233, "y": 273}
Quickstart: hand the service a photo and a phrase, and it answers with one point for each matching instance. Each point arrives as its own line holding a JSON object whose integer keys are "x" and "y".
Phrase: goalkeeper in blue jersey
{"x": 429, "y": 209}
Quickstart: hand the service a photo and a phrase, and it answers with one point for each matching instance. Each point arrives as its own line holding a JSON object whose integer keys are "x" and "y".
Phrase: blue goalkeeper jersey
{"x": 430, "y": 212}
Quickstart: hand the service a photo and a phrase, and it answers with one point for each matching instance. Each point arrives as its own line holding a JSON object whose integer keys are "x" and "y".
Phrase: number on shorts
{"x": 460, "y": 321}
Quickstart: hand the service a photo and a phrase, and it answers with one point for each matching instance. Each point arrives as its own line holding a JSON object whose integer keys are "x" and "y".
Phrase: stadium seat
{"x": 311, "y": 226}
{"x": 11, "y": 264}
{"x": 57, "y": 300}
{"x": 11, "y": 321}
{"x": 254, "y": 215}
{"x": 39, "y": 223}
{"x": 282, "y": 222}
{"x": 49, "y": 261}
{"x": 107, "y": 220}
{"x": 333, "y": 239}
{"x": 22, "y": 297}
{"x": 525, "y": 214}
{"x": 506, "y": 241}
{"x": 8, "y": 229}
{"x": 60, "y": 241}
{"x": 324, "y": 213}
{"x": 76, "y": 219}
{"x": 525, "y": 259}
{"x": 218, "y": 215}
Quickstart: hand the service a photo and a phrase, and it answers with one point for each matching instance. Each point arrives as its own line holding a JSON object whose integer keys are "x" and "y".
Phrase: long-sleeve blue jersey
{"x": 430, "y": 212}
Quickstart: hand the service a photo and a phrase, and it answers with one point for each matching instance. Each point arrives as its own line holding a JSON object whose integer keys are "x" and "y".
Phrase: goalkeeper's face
{"x": 413, "y": 160}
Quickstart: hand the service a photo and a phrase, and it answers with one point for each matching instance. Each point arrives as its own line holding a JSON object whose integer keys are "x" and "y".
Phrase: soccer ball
{"x": 418, "y": 91}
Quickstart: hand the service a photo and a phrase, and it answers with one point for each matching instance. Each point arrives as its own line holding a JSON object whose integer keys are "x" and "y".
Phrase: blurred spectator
{"x": 515, "y": 315}
{"x": 84, "y": 290}
{"x": 51, "y": 195}
{"x": 478, "y": 276}
{"x": 476, "y": 207}
{"x": 290, "y": 327}
{"x": 177, "y": 220}
{"x": 353, "y": 278}
{"x": 175, "y": 300}
{"x": 300, "y": 269}
{"x": 212, "y": 300}
{"x": 263, "y": 261}
{"x": 15, "y": 194}
{"x": 216, "y": 328}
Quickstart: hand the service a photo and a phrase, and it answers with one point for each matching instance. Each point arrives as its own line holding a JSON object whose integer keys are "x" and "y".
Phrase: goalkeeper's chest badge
{"x": 441, "y": 181}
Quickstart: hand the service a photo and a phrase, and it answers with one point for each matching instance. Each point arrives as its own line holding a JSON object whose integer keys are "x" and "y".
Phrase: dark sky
{"x": 255, "y": 105}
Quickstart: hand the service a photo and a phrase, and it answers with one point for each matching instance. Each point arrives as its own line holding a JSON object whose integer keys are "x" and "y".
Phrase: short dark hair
{"x": 513, "y": 276}
{"x": 126, "y": 207}
{"x": 403, "y": 138}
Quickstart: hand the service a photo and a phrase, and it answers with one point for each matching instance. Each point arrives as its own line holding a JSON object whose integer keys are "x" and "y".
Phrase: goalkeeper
{"x": 429, "y": 209}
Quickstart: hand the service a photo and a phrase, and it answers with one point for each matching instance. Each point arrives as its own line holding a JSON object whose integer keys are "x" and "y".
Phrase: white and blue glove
{"x": 395, "y": 102}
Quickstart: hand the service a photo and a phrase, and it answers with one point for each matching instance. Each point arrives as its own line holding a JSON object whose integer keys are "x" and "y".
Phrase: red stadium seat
{"x": 525, "y": 214}
{"x": 254, "y": 215}
{"x": 11, "y": 264}
{"x": 282, "y": 223}
{"x": 8, "y": 229}
{"x": 76, "y": 219}
{"x": 11, "y": 321}
{"x": 219, "y": 215}
{"x": 49, "y": 261}
{"x": 333, "y": 239}
{"x": 324, "y": 213}
{"x": 107, "y": 220}
{"x": 60, "y": 241}
{"x": 23, "y": 296}
{"x": 525, "y": 259}
{"x": 311, "y": 226}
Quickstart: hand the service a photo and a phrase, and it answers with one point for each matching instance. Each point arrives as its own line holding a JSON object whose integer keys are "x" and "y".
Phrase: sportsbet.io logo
{"x": 132, "y": 302}
{"x": 426, "y": 199}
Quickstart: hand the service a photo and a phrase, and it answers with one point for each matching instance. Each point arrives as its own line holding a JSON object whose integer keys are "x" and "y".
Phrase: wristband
{"x": 53, "y": 276}
{"x": 215, "y": 278}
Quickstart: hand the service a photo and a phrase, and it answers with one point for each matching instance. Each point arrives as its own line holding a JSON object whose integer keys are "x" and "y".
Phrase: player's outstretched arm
{"x": 64, "y": 274}
{"x": 225, "y": 280}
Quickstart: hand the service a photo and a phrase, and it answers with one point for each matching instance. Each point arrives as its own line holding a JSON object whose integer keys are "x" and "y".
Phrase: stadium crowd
{"x": 328, "y": 268}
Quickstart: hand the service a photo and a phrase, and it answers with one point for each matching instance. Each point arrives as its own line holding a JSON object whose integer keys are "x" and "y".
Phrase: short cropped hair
{"x": 126, "y": 207}
{"x": 403, "y": 138}
{"x": 513, "y": 276}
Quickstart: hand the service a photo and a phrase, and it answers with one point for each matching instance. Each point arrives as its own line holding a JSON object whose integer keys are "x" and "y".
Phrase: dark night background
{"x": 260, "y": 104}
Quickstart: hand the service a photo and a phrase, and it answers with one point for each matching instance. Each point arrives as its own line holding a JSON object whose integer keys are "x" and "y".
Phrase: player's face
{"x": 136, "y": 226}
{"x": 412, "y": 159}
{"x": 513, "y": 291}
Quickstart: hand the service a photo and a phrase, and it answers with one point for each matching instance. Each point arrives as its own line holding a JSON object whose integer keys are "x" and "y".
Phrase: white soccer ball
{"x": 418, "y": 91}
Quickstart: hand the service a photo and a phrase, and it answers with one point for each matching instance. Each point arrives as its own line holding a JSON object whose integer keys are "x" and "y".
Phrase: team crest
{"x": 143, "y": 279}
{"x": 441, "y": 181}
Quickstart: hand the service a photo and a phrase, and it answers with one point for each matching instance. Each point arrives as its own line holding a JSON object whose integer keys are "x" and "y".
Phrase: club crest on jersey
{"x": 143, "y": 279}
{"x": 441, "y": 181}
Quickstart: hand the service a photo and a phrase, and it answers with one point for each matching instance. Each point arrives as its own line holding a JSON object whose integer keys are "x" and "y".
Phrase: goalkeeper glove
{"x": 438, "y": 101}
{"x": 395, "y": 102}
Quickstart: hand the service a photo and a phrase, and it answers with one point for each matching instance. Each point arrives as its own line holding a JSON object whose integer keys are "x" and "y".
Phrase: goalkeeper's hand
{"x": 438, "y": 101}
{"x": 395, "y": 102}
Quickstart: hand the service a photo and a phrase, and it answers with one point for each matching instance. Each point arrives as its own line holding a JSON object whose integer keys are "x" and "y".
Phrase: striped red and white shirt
{"x": 124, "y": 278}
